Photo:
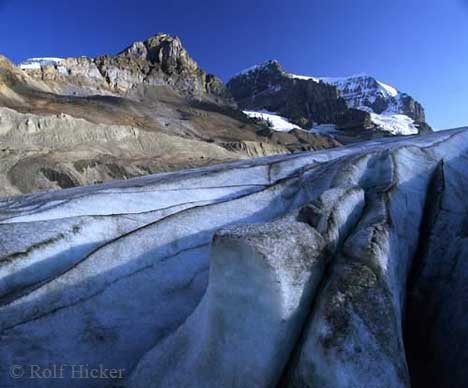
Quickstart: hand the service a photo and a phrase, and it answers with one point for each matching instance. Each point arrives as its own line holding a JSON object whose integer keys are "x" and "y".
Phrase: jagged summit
{"x": 163, "y": 49}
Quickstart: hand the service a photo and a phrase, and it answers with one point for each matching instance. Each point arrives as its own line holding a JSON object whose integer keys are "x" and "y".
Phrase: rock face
{"x": 308, "y": 101}
{"x": 340, "y": 268}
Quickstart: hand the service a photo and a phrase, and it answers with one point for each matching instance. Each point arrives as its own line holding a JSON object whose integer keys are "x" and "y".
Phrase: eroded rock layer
{"x": 341, "y": 268}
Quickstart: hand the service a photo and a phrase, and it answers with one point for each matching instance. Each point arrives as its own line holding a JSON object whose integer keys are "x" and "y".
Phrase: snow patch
{"x": 302, "y": 77}
{"x": 37, "y": 63}
{"x": 278, "y": 123}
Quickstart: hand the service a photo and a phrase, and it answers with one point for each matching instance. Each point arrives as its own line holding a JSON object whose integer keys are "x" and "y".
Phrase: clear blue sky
{"x": 419, "y": 46}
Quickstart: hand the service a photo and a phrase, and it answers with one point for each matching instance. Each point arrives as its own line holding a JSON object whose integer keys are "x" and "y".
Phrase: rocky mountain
{"x": 159, "y": 60}
{"x": 151, "y": 108}
{"x": 335, "y": 269}
{"x": 355, "y": 105}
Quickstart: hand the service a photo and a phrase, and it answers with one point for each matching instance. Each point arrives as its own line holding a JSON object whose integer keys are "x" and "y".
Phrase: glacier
{"x": 338, "y": 268}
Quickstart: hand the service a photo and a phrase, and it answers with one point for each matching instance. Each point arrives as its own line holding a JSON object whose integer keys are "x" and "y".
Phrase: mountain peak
{"x": 161, "y": 48}
{"x": 156, "y": 40}
{"x": 159, "y": 60}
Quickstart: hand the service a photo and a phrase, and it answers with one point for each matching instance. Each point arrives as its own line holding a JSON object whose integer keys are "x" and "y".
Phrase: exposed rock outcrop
{"x": 341, "y": 268}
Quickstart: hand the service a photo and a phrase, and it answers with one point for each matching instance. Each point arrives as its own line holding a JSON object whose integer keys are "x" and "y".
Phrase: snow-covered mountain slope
{"x": 305, "y": 101}
{"x": 298, "y": 270}
{"x": 360, "y": 87}
{"x": 389, "y": 108}
{"x": 367, "y": 93}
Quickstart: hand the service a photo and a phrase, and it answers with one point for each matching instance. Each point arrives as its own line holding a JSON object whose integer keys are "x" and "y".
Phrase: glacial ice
{"x": 316, "y": 268}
